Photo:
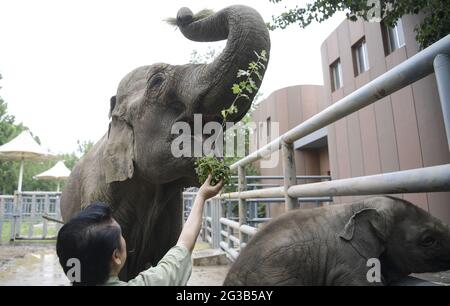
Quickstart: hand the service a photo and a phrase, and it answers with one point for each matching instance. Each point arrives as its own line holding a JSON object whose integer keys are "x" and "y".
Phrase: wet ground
{"x": 37, "y": 265}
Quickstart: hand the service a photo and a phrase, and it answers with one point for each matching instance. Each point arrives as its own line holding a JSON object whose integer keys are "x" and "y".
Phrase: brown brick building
{"x": 402, "y": 131}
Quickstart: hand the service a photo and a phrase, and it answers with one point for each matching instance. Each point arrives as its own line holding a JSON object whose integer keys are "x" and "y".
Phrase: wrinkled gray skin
{"x": 132, "y": 167}
{"x": 331, "y": 245}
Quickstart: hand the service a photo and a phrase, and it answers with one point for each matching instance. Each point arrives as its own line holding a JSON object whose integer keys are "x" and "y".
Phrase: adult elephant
{"x": 132, "y": 167}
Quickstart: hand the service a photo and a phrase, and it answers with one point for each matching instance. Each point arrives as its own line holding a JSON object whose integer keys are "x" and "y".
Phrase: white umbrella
{"x": 58, "y": 172}
{"x": 22, "y": 148}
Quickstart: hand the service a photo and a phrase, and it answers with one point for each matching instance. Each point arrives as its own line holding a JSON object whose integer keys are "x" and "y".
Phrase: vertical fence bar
{"x": 15, "y": 215}
{"x": 204, "y": 224}
{"x": 441, "y": 65}
{"x": 45, "y": 212}
{"x": 208, "y": 215}
{"x": 58, "y": 213}
{"x": 287, "y": 152}
{"x": 215, "y": 223}
{"x": 229, "y": 232}
{"x": 2, "y": 216}
{"x": 31, "y": 215}
{"x": 242, "y": 203}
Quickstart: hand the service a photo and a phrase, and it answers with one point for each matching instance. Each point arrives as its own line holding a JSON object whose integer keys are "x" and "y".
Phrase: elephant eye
{"x": 156, "y": 80}
{"x": 428, "y": 241}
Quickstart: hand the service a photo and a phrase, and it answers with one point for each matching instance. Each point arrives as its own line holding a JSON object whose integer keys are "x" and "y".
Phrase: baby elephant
{"x": 376, "y": 241}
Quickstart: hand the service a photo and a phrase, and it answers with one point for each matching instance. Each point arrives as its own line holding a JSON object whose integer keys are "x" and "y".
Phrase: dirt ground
{"x": 37, "y": 265}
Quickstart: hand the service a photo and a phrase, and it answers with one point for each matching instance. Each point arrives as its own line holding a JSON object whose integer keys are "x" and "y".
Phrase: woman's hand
{"x": 193, "y": 224}
{"x": 208, "y": 191}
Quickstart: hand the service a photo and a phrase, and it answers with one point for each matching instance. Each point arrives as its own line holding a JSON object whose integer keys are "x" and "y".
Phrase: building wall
{"x": 402, "y": 131}
{"x": 289, "y": 107}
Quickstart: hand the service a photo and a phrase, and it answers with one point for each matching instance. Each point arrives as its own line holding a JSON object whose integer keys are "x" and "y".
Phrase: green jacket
{"x": 174, "y": 269}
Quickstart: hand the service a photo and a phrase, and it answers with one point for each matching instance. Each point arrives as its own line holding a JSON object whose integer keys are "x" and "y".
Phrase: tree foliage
{"x": 434, "y": 26}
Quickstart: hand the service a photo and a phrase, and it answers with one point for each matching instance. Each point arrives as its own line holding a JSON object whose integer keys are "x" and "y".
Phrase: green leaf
{"x": 242, "y": 73}
{"x": 236, "y": 89}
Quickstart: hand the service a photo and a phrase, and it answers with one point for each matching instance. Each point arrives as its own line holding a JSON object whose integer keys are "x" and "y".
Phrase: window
{"x": 336, "y": 75}
{"x": 268, "y": 128}
{"x": 393, "y": 37}
{"x": 360, "y": 57}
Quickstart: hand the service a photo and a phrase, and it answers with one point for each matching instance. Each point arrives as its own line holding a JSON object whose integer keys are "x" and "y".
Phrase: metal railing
{"x": 27, "y": 216}
{"x": 435, "y": 58}
{"x": 221, "y": 230}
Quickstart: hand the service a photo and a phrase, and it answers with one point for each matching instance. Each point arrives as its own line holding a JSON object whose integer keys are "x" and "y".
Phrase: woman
{"x": 94, "y": 241}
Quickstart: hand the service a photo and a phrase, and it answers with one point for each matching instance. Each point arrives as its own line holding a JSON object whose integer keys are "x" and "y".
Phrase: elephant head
{"x": 404, "y": 237}
{"x": 151, "y": 99}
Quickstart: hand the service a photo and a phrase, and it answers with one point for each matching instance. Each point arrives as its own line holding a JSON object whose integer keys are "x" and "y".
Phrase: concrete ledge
{"x": 209, "y": 257}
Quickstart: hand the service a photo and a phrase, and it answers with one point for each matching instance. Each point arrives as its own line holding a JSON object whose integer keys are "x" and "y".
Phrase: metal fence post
{"x": 204, "y": 224}
{"x": 2, "y": 216}
{"x": 441, "y": 65}
{"x": 290, "y": 179}
{"x": 58, "y": 213}
{"x": 45, "y": 212}
{"x": 215, "y": 223}
{"x": 15, "y": 215}
{"x": 242, "y": 203}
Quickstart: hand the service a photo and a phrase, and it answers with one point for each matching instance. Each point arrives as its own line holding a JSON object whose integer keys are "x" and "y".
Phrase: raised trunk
{"x": 246, "y": 33}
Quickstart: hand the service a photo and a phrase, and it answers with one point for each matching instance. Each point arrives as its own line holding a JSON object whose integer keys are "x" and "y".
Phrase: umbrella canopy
{"x": 22, "y": 148}
{"x": 58, "y": 172}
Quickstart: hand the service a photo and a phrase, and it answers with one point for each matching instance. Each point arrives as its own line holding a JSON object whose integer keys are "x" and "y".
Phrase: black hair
{"x": 91, "y": 237}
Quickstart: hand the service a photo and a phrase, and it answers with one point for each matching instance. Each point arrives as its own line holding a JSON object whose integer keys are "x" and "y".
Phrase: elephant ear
{"x": 112, "y": 105}
{"x": 119, "y": 152}
{"x": 366, "y": 231}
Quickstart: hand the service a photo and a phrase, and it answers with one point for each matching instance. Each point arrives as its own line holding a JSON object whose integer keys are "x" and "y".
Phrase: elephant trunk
{"x": 246, "y": 33}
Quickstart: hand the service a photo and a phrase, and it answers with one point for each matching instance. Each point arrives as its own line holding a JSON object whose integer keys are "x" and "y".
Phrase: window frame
{"x": 360, "y": 52}
{"x": 336, "y": 66}
{"x": 394, "y": 37}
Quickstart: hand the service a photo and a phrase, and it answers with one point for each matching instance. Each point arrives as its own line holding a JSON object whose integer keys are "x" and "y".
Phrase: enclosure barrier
{"x": 23, "y": 216}
{"x": 436, "y": 59}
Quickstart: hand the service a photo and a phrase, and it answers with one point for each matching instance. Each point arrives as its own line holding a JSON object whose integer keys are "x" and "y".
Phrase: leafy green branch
{"x": 247, "y": 86}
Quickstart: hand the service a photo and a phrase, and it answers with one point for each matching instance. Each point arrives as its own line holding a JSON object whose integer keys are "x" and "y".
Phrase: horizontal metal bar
{"x": 442, "y": 71}
{"x": 280, "y": 177}
{"x": 228, "y": 222}
{"x": 258, "y": 220}
{"x": 428, "y": 179}
{"x": 25, "y": 193}
{"x": 234, "y": 239}
{"x": 259, "y": 193}
{"x": 190, "y": 193}
{"x": 232, "y": 252}
{"x": 249, "y": 230}
{"x": 231, "y": 237}
{"x": 415, "y": 68}
{"x": 280, "y": 200}
{"x": 259, "y": 185}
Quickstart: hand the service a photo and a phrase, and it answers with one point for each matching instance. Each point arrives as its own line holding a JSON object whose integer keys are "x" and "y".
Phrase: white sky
{"x": 61, "y": 61}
